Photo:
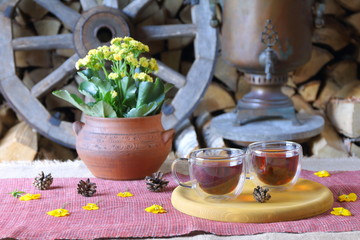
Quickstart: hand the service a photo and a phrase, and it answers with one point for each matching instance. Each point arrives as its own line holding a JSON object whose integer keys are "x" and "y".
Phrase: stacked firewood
{"x": 327, "y": 85}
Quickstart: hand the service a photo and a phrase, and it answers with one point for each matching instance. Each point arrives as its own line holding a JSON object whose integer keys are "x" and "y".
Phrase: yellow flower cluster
{"x": 113, "y": 94}
{"x": 351, "y": 197}
{"x": 91, "y": 206}
{"x": 153, "y": 65}
{"x": 340, "y": 211}
{"x": 125, "y": 194}
{"x": 28, "y": 197}
{"x": 59, "y": 212}
{"x": 143, "y": 77}
{"x": 322, "y": 174}
{"x": 155, "y": 209}
{"x": 131, "y": 59}
{"x": 113, "y": 76}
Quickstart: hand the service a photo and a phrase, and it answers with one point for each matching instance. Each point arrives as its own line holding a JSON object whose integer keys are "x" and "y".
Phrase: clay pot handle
{"x": 77, "y": 126}
{"x": 167, "y": 135}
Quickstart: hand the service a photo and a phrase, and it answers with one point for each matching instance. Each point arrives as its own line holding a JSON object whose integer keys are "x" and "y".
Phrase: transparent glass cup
{"x": 274, "y": 164}
{"x": 215, "y": 173}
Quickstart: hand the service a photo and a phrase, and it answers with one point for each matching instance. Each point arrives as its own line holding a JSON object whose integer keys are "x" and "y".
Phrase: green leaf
{"x": 167, "y": 87}
{"x": 142, "y": 111}
{"x": 102, "y": 109}
{"x": 103, "y": 86}
{"x": 128, "y": 90}
{"x": 16, "y": 193}
{"x": 98, "y": 109}
{"x": 89, "y": 89}
{"x": 150, "y": 92}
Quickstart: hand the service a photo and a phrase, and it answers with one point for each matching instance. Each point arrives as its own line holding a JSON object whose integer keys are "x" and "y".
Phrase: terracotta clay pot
{"x": 122, "y": 148}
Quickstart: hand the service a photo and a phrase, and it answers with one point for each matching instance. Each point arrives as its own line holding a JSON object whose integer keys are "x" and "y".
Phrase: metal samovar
{"x": 267, "y": 39}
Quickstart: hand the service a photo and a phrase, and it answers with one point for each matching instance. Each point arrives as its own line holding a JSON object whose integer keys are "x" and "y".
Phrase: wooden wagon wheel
{"x": 85, "y": 27}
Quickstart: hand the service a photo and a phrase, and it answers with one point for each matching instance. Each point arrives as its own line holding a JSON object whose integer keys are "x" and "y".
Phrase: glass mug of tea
{"x": 215, "y": 173}
{"x": 274, "y": 164}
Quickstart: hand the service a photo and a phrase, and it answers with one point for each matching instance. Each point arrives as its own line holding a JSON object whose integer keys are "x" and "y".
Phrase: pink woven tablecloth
{"x": 125, "y": 217}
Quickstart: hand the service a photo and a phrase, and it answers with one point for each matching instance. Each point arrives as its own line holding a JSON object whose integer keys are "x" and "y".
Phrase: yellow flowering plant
{"x": 120, "y": 81}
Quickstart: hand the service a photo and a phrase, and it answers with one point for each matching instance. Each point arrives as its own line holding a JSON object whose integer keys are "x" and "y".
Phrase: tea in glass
{"x": 275, "y": 164}
{"x": 215, "y": 173}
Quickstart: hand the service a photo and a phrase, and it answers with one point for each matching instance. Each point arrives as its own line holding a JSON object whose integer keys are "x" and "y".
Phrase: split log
{"x": 19, "y": 143}
{"x": 172, "y": 6}
{"x": 310, "y": 90}
{"x": 185, "y": 67}
{"x": 352, "y": 5}
{"x": 27, "y": 81}
{"x": 34, "y": 58}
{"x": 343, "y": 110}
{"x": 301, "y": 105}
{"x": 288, "y": 91}
{"x": 216, "y": 98}
{"x": 226, "y": 73}
{"x": 7, "y": 116}
{"x": 354, "y": 20}
{"x": 344, "y": 115}
{"x": 21, "y": 31}
{"x": 47, "y": 26}
{"x": 185, "y": 15}
{"x": 32, "y": 9}
{"x": 19, "y": 18}
{"x": 149, "y": 11}
{"x": 326, "y": 93}
{"x": 49, "y": 150}
{"x": 333, "y": 34}
{"x": 342, "y": 72}
{"x": 209, "y": 136}
{"x": 319, "y": 57}
{"x": 351, "y": 89}
{"x": 178, "y": 42}
{"x": 76, "y": 6}
{"x": 333, "y": 8}
{"x": 185, "y": 140}
{"x": 243, "y": 87}
{"x": 329, "y": 144}
{"x": 171, "y": 59}
{"x": 38, "y": 74}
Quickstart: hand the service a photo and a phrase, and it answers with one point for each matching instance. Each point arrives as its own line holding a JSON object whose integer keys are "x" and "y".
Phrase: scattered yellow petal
{"x": 347, "y": 198}
{"x": 340, "y": 211}
{"x": 125, "y": 194}
{"x": 91, "y": 206}
{"x": 59, "y": 212}
{"x": 322, "y": 174}
{"x": 28, "y": 197}
{"x": 155, "y": 209}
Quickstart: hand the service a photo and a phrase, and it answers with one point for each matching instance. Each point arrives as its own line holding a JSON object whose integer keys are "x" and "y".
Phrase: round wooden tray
{"x": 306, "y": 199}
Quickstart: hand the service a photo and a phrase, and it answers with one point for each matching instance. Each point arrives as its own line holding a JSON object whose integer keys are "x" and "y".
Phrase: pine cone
{"x": 86, "y": 188}
{"x": 43, "y": 182}
{"x": 155, "y": 183}
{"x": 261, "y": 194}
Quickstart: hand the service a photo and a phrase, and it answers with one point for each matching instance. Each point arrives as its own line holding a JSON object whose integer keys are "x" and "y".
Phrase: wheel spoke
{"x": 43, "y": 42}
{"x": 152, "y": 32}
{"x": 46, "y": 84}
{"x": 87, "y": 4}
{"x": 67, "y": 15}
{"x": 133, "y": 8}
{"x": 197, "y": 81}
{"x": 111, "y": 3}
{"x": 171, "y": 76}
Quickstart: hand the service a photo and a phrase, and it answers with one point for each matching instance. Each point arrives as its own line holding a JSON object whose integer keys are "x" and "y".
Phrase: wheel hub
{"x": 98, "y": 26}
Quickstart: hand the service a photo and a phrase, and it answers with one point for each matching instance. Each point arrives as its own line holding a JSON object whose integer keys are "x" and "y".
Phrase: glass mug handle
{"x": 249, "y": 173}
{"x": 174, "y": 172}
